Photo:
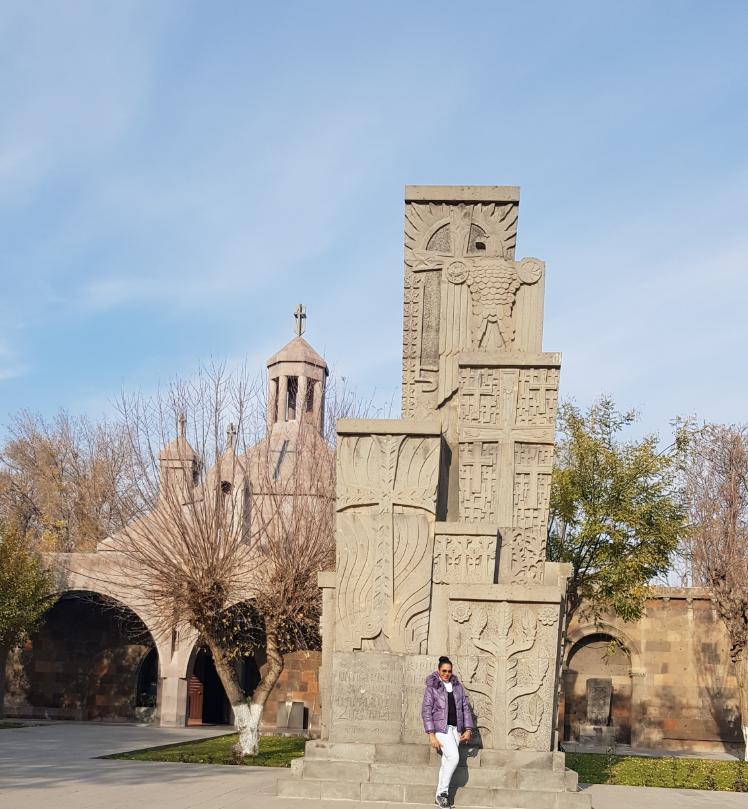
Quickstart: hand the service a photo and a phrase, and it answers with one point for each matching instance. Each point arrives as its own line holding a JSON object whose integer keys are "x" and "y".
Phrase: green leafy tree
{"x": 616, "y": 513}
{"x": 26, "y": 588}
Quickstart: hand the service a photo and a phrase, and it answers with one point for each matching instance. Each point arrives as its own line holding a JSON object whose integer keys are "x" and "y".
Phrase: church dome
{"x": 298, "y": 350}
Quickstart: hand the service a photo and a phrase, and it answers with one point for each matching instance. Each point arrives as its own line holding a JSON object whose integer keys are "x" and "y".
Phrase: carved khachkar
{"x": 507, "y": 655}
{"x": 387, "y": 486}
{"x": 442, "y": 516}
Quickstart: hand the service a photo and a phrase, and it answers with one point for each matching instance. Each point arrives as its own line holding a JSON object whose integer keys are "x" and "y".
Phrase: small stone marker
{"x": 599, "y": 694}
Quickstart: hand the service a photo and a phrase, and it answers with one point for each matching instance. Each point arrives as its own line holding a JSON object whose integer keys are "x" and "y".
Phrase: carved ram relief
{"x": 461, "y": 287}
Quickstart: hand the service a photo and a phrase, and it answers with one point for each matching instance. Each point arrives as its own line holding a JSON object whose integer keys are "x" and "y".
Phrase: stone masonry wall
{"x": 299, "y": 680}
{"x": 82, "y": 664}
{"x": 676, "y": 689}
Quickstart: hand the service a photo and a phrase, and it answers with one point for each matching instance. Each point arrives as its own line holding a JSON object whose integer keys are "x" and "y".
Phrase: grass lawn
{"x": 11, "y": 725}
{"x": 275, "y": 751}
{"x": 681, "y": 773}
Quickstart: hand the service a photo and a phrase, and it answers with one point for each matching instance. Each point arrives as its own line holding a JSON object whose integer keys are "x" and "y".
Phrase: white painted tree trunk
{"x": 741, "y": 671}
{"x": 247, "y": 720}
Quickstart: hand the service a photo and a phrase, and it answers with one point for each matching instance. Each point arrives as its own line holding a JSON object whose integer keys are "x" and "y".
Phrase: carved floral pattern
{"x": 511, "y": 685}
{"x": 461, "y": 613}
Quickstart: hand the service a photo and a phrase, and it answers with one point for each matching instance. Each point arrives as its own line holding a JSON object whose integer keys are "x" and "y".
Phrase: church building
{"x": 102, "y": 654}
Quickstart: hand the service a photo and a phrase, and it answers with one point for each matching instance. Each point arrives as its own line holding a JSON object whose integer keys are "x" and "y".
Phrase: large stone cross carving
{"x": 386, "y": 504}
{"x": 505, "y": 433}
{"x": 386, "y": 494}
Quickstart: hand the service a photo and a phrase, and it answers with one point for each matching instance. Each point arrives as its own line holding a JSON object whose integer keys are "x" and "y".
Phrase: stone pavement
{"x": 54, "y": 766}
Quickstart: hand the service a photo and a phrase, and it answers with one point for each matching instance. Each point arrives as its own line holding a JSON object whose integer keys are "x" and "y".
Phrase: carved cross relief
{"x": 504, "y": 427}
{"x": 386, "y": 504}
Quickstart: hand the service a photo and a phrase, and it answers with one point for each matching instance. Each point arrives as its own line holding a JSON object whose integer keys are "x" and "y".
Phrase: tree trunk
{"x": 741, "y": 672}
{"x": 263, "y": 690}
{"x": 3, "y": 662}
{"x": 247, "y": 717}
{"x": 247, "y": 744}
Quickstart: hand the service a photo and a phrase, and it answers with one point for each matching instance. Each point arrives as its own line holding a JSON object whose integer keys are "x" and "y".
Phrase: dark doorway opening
{"x": 147, "y": 681}
{"x": 207, "y": 703}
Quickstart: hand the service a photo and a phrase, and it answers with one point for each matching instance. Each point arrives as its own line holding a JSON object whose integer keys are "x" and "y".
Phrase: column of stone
{"x": 318, "y": 405}
{"x": 272, "y": 402}
{"x": 301, "y": 397}
{"x": 282, "y": 397}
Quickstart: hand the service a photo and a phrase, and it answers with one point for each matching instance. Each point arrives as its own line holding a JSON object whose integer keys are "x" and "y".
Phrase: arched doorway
{"x": 597, "y": 656}
{"x": 86, "y": 662}
{"x": 207, "y": 703}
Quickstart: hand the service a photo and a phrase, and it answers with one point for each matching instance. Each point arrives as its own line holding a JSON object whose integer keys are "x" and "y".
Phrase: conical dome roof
{"x": 179, "y": 449}
{"x": 298, "y": 350}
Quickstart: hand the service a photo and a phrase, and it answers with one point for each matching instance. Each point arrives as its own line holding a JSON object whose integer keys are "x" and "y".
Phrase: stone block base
{"x": 407, "y": 773}
{"x": 597, "y": 735}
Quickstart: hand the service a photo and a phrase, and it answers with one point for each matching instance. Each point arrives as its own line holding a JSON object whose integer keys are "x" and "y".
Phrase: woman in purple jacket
{"x": 448, "y": 720}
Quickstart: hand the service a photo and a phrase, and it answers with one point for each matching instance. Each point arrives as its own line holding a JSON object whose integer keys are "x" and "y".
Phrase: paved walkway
{"x": 54, "y": 766}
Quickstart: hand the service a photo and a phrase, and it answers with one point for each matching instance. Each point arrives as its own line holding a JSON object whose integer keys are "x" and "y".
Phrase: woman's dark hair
{"x": 442, "y": 660}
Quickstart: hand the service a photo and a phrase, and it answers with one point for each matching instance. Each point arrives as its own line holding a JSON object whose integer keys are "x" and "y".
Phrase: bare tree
{"x": 60, "y": 479}
{"x": 717, "y": 486}
{"x": 234, "y": 521}
{"x": 292, "y": 524}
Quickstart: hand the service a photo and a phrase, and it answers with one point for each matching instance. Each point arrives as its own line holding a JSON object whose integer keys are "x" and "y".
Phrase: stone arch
{"x": 84, "y": 662}
{"x": 605, "y": 628}
{"x": 586, "y": 657}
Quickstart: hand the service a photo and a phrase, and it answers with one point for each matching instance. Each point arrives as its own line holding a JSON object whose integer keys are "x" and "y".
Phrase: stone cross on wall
{"x": 300, "y": 317}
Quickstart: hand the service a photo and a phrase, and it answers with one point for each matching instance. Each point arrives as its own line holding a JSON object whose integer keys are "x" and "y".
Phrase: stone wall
{"x": 676, "y": 689}
{"x": 82, "y": 664}
{"x": 299, "y": 681}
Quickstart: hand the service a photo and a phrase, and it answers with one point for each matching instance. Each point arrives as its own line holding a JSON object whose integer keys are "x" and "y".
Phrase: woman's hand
{"x": 465, "y": 735}
{"x": 435, "y": 743}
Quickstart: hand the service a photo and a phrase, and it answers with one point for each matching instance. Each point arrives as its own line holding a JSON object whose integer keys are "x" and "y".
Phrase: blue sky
{"x": 176, "y": 177}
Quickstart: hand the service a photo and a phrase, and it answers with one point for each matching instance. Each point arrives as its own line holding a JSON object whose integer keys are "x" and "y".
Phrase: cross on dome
{"x": 300, "y": 317}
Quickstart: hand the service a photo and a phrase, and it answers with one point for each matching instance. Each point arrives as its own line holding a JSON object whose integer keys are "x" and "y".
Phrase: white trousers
{"x": 450, "y": 742}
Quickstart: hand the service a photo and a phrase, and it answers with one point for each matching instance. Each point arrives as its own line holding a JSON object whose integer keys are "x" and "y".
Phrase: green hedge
{"x": 677, "y": 772}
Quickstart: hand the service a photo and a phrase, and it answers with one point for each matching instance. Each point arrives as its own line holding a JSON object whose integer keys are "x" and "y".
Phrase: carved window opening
{"x": 293, "y": 388}
{"x": 478, "y": 239}
{"x": 247, "y": 514}
{"x": 309, "y": 402}
{"x": 225, "y": 488}
{"x": 440, "y": 240}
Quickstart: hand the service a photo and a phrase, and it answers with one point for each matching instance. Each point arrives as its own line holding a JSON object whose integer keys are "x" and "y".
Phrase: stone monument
{"x": 597, "y": 731}
{"x": 441, "y": 532}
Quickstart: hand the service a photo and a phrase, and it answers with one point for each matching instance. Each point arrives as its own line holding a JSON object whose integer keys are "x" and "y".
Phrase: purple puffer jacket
{"x": 435, "y": 706}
